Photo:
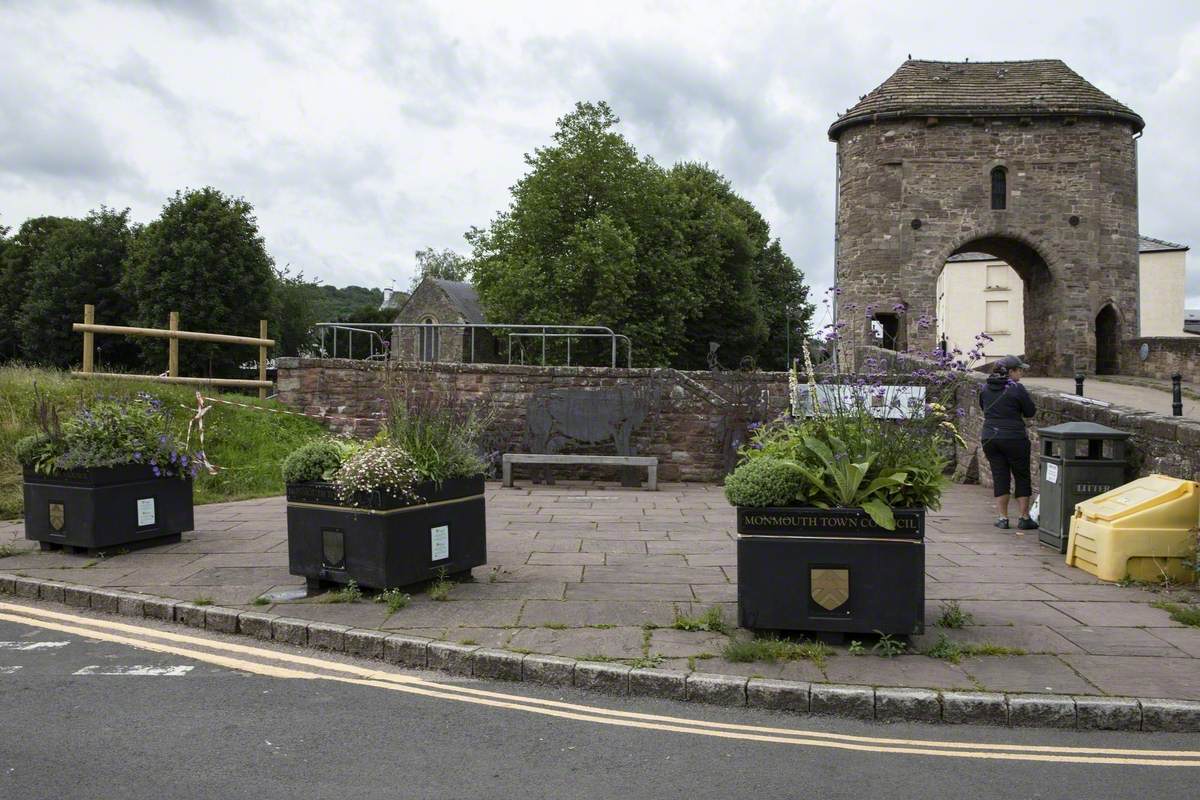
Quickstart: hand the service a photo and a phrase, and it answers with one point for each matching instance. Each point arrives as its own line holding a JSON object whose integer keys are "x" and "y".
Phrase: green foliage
{"x": 294, "y": 311}
{"x": 394, "y": 599}
{"x": 440, "y": 588}
{"x": 248, "y": 446}
{"x": 856, "y": 648}
{"x": 261, "y": 601}
{"x": 35, "y": 451}
{"x": 16, "y": 273}
{"x": 889, "y": 646}
{"x": 646, "y": 662}
{"x": 712, "y": 620}
{"x": 317, "y": 460}
{"x": 445, "y": 264}
{"x": 954, "y": 652}
{"x": 596, "y": 235}
{"x": 203, "y": 601}
{"x": 766, "y": 482}
{"x": 953, "y": 616}
{"x": 81, "y": 261}
{"x": 1183, "y": 614}
{"x": 772, "y": 649}
{"x": 204, "y": 258}
{"x": 350, "y": 593}
{"x": 440, "y": 437}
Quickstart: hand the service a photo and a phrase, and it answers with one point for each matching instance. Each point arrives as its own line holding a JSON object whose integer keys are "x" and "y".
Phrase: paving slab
{"x": 1026, "y": 674}
{"x": 1134, "y": 676}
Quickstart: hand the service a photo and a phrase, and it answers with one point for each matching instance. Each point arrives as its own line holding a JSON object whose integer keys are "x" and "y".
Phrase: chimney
{"x": 387, "y": 298}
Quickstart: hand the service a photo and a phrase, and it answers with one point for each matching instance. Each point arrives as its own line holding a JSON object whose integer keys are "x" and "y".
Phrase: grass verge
{"x": 1183, "y": 614}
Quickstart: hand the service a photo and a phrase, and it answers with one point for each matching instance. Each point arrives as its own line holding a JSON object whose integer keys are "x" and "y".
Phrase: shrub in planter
{"x": 831, "y": 514}
{"x": 400, "y": 509}
{"x": 112, "y": 474}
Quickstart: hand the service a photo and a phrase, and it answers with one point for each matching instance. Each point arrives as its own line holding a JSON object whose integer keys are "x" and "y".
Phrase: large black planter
{"x": 106, "y": 508}
{"x": 383, "y": 543}
{"x": 830, "y": 571}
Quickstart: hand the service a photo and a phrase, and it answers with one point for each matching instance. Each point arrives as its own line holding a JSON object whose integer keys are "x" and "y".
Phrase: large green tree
{"x": 675, "y": 259}
{"x": 203, "y": 257}
{"x": 15, "y": 264}
{"x": 589, "y": 239}
{"x": 80, "y": 261}
{"x": 445, "y": 264}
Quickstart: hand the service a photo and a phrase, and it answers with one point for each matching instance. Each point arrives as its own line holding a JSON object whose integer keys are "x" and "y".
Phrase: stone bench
{"x": 649, "y": 462}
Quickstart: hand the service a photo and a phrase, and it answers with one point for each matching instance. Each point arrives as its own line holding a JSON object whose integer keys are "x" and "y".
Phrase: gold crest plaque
{"x": 830, "y": 588}
{"x": 58, "y": 516}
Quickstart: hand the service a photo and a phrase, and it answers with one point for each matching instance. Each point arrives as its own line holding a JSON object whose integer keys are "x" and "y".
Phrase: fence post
{"x": 1176, "y": 395}
{"x": 1079, "y": 383}
{"x": 173, "y": 345}
{"x": 89, "y": 338}
{"x": 262, "y": 359}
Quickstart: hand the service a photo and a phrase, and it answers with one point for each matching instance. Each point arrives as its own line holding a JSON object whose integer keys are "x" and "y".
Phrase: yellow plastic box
{"x": 1145, "y": 530}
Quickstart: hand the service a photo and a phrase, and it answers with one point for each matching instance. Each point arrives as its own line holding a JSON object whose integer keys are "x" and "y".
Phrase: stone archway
{"x": 1108, "y": 341}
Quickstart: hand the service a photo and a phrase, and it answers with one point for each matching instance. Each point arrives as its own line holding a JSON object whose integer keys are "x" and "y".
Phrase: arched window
{"x": 428, "y": 345}
{"x": 999, "y": 189}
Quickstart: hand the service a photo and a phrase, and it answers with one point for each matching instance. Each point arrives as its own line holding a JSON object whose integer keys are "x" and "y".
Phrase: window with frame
{"x": 999, "y": 188}
{"x": 427, "y": 345}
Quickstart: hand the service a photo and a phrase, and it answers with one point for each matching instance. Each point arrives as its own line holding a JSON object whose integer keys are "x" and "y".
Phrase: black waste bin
{"x": 1079, "y": 460}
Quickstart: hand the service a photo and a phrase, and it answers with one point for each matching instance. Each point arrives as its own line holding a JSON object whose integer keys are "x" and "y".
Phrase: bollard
{"x": 1176, "y": 395}
{"x": 1079, "y": 383}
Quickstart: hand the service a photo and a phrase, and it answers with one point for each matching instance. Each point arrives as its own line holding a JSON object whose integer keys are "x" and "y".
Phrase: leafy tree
{"x": 445, "y": 264}
{"x": 15, "y": 264}
{"x": 81, "y": 261}
{"x": 293, "y": 312}
{"x": 589, "y": 239}
{"x": 786, "y": 303}
{"x": 203, "y": 257}
{"x": 334, "y": 304}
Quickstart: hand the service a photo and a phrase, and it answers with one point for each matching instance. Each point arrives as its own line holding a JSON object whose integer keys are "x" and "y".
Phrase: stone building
{"x": 434, "y": 303}
{"x": 977, "y": 293}
{"x": 1023, "y": 160}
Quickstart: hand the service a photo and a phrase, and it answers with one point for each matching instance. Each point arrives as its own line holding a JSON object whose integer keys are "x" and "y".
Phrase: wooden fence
{"x": 89, "y": 329}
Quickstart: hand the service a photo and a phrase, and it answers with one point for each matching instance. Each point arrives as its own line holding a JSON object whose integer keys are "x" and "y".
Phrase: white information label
{"x": 439, "y": 543}
{"x": 145, "y": 511}
{"x": 1052, "y": 473}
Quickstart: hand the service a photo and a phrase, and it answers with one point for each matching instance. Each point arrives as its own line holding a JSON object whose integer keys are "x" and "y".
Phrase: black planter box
{"x": 382, "y": 542}
{"x": 830, "y": 571}
{"x": 105, "y": 508}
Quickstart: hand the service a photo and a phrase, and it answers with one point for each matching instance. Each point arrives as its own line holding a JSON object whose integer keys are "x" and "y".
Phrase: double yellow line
{"x": 276, "y": 664}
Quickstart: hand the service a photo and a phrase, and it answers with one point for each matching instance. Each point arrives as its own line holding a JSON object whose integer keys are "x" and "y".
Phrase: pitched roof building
{"x": 437, "y": 302}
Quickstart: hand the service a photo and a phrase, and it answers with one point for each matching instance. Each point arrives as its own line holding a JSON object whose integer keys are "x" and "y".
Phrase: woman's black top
{"x": 1006, "y": 404}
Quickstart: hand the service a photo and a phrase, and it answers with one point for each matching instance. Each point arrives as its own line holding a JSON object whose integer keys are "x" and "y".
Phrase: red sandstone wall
{"x": 688, "y": 434}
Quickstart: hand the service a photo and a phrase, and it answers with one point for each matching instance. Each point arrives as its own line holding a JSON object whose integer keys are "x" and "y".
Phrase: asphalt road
{"x": 86, "y": 713}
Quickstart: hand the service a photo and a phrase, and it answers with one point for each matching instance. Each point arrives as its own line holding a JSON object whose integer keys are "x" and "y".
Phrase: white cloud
{"x": 362, "y": 133}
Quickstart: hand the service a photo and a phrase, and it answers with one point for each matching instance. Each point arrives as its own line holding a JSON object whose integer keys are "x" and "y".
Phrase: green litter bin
{"x": 1079, "y": 460}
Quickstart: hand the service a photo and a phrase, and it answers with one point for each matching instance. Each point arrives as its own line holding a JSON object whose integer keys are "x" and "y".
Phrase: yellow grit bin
{"x": 1145, "y": 530}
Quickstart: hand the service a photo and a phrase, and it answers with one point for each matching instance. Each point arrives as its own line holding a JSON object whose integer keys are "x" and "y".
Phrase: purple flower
{"x": 157, "y": 472}
{"x": 137, "y": 456}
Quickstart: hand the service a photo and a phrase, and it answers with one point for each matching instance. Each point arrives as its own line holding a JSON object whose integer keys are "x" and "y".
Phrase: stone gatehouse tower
{"x": 1024, "y": 160}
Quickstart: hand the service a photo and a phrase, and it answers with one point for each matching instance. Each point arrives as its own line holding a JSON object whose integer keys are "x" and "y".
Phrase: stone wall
{"x": 691, "y": 433}
{"x": 913, "y": 192}
{"x": 1159, "y": 444}
{"x": 1167, "y": 355}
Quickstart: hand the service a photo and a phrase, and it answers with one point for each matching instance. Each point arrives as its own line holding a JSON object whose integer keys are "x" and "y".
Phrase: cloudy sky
{"x": 364, "y": 131}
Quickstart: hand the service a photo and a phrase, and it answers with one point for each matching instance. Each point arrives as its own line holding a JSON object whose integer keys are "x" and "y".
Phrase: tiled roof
{"x": 464, "y": 297}
{"x": 1146, "y": 244}
{"x": 991, "y": 88}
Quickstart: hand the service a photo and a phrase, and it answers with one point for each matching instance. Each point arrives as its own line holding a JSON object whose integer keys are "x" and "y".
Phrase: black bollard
{"x": 1079, "y": 383}
{"x": 1176, "y": 395}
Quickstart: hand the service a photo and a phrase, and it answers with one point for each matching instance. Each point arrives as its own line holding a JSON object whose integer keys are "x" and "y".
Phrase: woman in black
{"x": 1006, "y": 405}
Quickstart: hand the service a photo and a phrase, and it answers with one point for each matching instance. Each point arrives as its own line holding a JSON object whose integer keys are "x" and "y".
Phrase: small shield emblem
{"x": 830, "y": 588}
{"x": 58, "y": 516}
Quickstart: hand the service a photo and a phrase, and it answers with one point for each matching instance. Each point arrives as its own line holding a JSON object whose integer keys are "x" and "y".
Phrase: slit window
{"x": 999, "y": 189}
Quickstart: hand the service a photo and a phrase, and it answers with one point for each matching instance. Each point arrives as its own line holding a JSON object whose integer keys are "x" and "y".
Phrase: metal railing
{"x": 376, "y": 347}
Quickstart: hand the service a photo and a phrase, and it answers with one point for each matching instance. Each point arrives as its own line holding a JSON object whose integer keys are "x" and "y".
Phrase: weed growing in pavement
{"x": 91, "y": 563}
{"x": 603, "y": 626}
{"x": 7, "y": 550}
{"x": 394, "y": 598}
{"x": 350, "y": 593}
{"x": 856, "y": 648}
{"x": 525, "y": 651}
{"x": 599, "y": 657}
{"x": 645, "y": 662}
{"x": 889, "y": 646}
{"x": 494, "y": 575}
{"x": 440, "y": 588}
{"x": 772, "y": 649}
{"x": 203, "y": 601}
{"x": 260, "y": 601}
{"x": 1185, "y": 615}
{"x": 555, "y": 626}
{"x": 468, "y": 641}
{"x": 712, "y": 620}
{"x": 705, "y": 656}
{"x": 953, "y": 616}
{"x": 949, "y": 650}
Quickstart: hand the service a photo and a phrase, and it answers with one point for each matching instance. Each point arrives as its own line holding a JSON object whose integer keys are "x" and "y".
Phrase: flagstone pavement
{"x": 592, "y": 570}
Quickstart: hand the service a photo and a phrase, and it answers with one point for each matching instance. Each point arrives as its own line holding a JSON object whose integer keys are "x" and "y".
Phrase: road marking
{"x": 604, "y": 716}
{"x": 8, "y": 670}
{"x": 31, "y": 645}
{"x": 136, "y": 669}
